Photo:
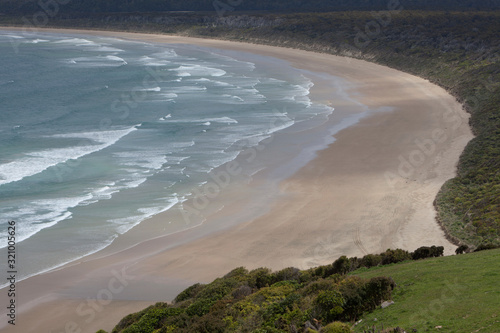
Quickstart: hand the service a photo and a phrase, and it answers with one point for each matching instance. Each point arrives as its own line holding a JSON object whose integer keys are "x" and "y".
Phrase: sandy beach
{"x": 372, "y": 189}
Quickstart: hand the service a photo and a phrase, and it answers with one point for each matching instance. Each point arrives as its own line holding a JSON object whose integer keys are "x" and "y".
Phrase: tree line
{"x": 110, "y": 6}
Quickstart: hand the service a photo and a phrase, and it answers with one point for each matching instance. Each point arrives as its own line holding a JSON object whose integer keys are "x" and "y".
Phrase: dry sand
{"x": 370, "y": 190}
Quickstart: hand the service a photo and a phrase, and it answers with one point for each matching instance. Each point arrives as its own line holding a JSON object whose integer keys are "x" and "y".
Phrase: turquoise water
{"x": 99, "y": 134}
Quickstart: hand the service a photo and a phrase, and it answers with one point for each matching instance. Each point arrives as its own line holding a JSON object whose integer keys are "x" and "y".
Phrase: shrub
{"x": 315, "y": 287}
{"x": 189, "y": 292}
{"x": 329, "y": 304}
{"x": 462, "y": 249}
{"x": 395, "y": 256}
{"x": 377, "y": 290}
{"x": 239, "y": 274}
{"x": 336, "y": 327}
{"x": 371, "y": 260}
{"x": 487, "y": 246}
{"x": 242, "y": 292}
{"x": 361, "y": 295}
{"x": 427, "y": 252}
{"x": 286, "y": 274}
{"x": 341, "y": 265}
{"x": 129, "y": 320}
{"x": 260, "y": 278}
{"x": 152, "y": 320}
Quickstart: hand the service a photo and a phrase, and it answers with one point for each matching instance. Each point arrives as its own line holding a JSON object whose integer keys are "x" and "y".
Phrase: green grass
{"x": 460, "y": 293}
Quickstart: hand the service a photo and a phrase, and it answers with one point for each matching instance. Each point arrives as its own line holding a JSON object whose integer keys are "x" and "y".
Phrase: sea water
{"x": 99, "y": 134}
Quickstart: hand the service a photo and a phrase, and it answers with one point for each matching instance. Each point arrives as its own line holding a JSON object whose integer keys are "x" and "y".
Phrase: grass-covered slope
{"x": 459, "y": 293}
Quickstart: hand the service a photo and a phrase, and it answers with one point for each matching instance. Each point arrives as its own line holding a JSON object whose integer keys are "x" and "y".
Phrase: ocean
{"x": 99, "y": 134}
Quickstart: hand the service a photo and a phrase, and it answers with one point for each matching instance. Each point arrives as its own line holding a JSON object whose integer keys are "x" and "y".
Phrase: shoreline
{"x": 353, "y": 198}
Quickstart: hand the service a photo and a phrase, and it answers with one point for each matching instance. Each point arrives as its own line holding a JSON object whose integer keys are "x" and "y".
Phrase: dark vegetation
{"x": 334, "y": 298}
{"x": 282, "y": 6}
{"x": 289, "y": 300}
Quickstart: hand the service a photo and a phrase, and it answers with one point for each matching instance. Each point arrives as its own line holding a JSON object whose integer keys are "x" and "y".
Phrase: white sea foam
{"x": 176, "y": 159}
{"x": 36, "y": 41}
{"x": 104, "y": 193}
{"x": 75, "y": 41}
{"x": 41, "y": 214}
{"x": 88, "y": 45}
{"x": 165, "y": 54}
{"x": 240, "y": 63}
{"x": 213, "y": 82}
{"x": 232, "y": 99}
{"x": 188, "y": 89}
{"x": 13, "y": 36}
{"x": 301, "y": 93}
{"x": 153, "y": 62}
{"x": 127, "y": 223}
{"x": 103, "y": 48}
{"x": 198, "y": 70}
{"x": 135, "y": 183}
{"x": 157, "y": 89}
{"x": 5, "y": 82}
{"x": 38, "y": 161}
{"x": 98, "y": 61}
{"x": 168, "y": 115}
{"x": 150, "y": 160}
{"x": 223, "y": 120}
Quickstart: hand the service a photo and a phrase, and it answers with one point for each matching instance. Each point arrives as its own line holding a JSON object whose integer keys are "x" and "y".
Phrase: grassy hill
{"x": 444, "y": 294}
{"x": 460, "y": 293}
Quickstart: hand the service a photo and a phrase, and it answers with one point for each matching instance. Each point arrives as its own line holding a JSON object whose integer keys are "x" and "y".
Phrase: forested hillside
{"x": 107, "y": 6}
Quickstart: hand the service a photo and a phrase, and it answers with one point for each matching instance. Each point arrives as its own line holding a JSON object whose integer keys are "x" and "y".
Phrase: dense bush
{"x": 462, "y": 249}
{"x": 428, "y": 252}
{"x": 329, "y": 304}
{"x": 486, "y": 246}
{"x": 336, "y": 327}
{"x": 282, "y": 301}
{"x": 280, "y": 307}
{"x": 92, "y": 7}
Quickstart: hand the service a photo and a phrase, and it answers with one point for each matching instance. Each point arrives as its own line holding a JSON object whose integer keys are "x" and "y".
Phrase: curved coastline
{"x": 370, "y": 190}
